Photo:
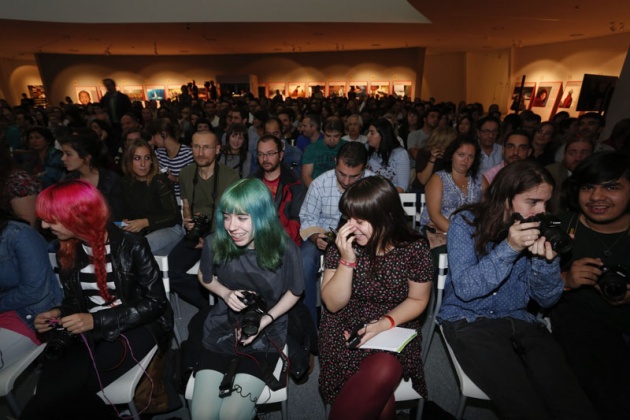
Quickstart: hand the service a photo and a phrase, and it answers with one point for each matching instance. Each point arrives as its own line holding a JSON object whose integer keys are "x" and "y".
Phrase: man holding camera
{"x": 499, "y": 261}
{"x": 592, "y": 320}
{"x": 202, "y": 183}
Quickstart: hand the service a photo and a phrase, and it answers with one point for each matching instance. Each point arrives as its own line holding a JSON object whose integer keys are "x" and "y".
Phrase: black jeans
{"x": 67, "y": 387}
{"x": 180, "y": 260}
{"x": 520, "y": 367}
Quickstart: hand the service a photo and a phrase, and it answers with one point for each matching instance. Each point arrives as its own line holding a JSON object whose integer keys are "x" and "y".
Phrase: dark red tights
{"x": 369, "y": 393}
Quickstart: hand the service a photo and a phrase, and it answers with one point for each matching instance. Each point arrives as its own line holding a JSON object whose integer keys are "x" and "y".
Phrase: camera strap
{"x": 215, "y": 183}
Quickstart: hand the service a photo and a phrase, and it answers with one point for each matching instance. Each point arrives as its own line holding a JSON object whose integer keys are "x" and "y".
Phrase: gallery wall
{"x": 61, "y": 73}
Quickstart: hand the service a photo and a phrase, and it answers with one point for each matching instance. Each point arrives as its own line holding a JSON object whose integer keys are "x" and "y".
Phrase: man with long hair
{"x": 498, "y": 262}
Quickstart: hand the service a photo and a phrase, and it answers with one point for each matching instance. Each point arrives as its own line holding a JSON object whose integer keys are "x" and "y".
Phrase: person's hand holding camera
{"x": 234, "y": 299}
{"x": 583, "y": 272}
{"x": 320, "y": 240}
{"x": 42, "y": 321}
{"x": 523, "y": 235}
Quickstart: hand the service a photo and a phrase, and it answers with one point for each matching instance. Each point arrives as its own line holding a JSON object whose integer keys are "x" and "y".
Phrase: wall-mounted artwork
{"x": 135, "y": 92}
{"x": 569, "y": 99}
{"x": 297, "y": 90}
{"x": 403, "y": 89}
{"x": 173, "y": 92}
{"x": 526, "y": 99}
{"x": 546, "y": 99}
{"x": 336, "y": 89}
{"x": 275, "y": 88}
{"x": 155, "y": 93}
{"x": 317, "y": 89}
{"x": 86, "y": 94}
{"x": 37, "y": 94}
{"x": 202, "y": 93}
{"x": 359, "y": 88}
{"x": 379, "y": 89}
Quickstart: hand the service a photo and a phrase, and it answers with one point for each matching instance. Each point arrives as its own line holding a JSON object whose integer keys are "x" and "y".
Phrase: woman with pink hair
{"x": 114, "y": 310}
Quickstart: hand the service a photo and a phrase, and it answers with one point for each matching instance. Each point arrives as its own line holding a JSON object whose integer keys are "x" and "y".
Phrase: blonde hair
{"x": 441, "y": 137}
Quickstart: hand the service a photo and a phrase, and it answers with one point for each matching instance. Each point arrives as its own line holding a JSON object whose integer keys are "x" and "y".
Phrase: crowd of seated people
{"x": 162, "y": 172}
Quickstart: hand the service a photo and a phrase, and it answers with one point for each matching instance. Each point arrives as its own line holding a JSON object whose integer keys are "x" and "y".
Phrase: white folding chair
{"x": 162, "y": 262}
{"x": 10, "y": 373}
{"x": 267, "y": 396}
{"x": 467, "y": 387}
{"x": 122, "y": 390}
{"x": 408, "y": 201}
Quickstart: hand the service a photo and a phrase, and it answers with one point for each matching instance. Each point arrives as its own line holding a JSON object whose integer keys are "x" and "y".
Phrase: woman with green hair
{"x": 256, "y": 270}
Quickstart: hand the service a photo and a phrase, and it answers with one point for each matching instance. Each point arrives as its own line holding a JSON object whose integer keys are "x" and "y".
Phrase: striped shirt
{"x": 174, "y": 165}
{"x": 87, "y": 279}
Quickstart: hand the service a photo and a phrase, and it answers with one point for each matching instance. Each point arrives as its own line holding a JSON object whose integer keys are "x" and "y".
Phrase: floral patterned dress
{"x": 378, "y": 286}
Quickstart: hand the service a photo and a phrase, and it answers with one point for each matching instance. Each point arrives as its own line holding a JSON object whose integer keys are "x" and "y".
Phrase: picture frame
{"x": 202, "y": 93}
{"x": 297, "y": 90}
{"x": 569, "y": 99}
{"x": 135, "y": 92}
{"x": 38, "y": 94}
{"x": 272, "y": 87}
{"x": 173, "y": 92}
{"x": 336, "y": 89}
{"x": 545, "y": 101}
{"x": 314, "y": 87}
{"x": 86, "y": 95}
{"x": 403, "y": 89}
{"x": 359, "y": 88}
{"x": 379, "y": 89}
{"x": 526, "y": 100}
{"x": 155, "y": 93}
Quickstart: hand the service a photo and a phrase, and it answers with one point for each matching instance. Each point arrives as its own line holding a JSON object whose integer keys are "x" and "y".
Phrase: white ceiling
{"x": 166, "y": 27}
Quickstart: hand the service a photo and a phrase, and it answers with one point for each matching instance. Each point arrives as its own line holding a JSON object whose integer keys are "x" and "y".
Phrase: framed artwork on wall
{"x": 86, "y": 94}
{"x": 379, "y": 89}
{"x": 546, "y": 99}
{"x": 274, "y": 88}
{"x": 173, "y": 92}
{"x": 403, "y": 89}
{"x": 156, "y": 93}
{"x": 315, "y": 88}
{"x": 297, "y": 90}
{"x": 336, "y": 89}
{"x": 359, "y": 88}
{"x": 569, "y": 99}
{"x": 202, "y": 93}
{"x": 526, "y": 99}
{"x": 135, "y": 92}
{"x": 37, "y": 94}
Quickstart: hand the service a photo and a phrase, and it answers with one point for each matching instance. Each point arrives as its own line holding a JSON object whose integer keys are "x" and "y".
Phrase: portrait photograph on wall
{"x": 526, "y": 98}
{"x": 569, "y": 100}
{"x": 135, "y": 92}
{"x": 275, "y": 88}
{"x": 297, "y": 90}
{"x": 336, "y": 89}
{"x": 86, "y": 94}
{"x": 317, "y": 89}
{"x": 379, "y": 89}
{"x": 546, "y": 99}
{"x": 402, "y": 89}
{"x": 155, "y": 93}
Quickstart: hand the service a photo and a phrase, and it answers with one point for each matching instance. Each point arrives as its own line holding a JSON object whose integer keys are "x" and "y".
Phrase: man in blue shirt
{"x": 497, "y": 265}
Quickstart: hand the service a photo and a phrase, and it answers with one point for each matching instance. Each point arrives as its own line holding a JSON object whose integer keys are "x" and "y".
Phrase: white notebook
{"x": 394, "y": 339}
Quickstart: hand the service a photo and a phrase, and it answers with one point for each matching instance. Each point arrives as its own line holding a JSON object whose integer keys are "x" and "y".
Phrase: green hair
{"x": 252, "y": 197}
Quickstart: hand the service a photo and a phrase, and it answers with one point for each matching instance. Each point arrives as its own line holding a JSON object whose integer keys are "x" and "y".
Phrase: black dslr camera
{"x": 613, "y": 282}
{"x": 256, "y": 308}
{"x": 59, "y": 342}
{"x": 551, "y": 228}
{"x": 201, "y": 228}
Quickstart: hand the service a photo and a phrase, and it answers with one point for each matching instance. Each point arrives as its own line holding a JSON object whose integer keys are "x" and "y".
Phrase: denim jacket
{"x": 28, "y": 284}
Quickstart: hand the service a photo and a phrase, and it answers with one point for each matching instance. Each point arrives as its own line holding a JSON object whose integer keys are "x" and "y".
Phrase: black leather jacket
{"x": 138, "y": 285}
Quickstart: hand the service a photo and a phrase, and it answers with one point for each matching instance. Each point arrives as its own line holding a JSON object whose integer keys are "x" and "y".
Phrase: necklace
{"x": 606, "y": 249}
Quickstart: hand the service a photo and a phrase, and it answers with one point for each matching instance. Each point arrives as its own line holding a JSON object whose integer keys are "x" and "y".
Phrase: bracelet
{"x": 391, "y": 320}
{"x": 348, "y": 264}
{"x": 270, "y": 316}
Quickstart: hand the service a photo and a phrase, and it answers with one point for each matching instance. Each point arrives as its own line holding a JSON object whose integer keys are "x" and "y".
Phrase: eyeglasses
{"x": 268, "y": 155}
